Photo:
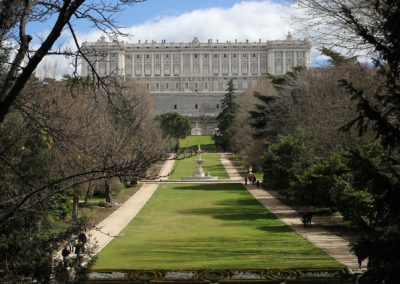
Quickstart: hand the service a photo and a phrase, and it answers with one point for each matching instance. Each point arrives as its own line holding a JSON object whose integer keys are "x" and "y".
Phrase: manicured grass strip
{"x": 209, "y": 226}
{"x": 196, "y": 140}
{"x": 211, "y": 163}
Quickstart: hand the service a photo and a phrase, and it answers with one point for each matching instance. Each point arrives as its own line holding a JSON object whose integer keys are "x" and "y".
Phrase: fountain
{"x": 199, "y": 175}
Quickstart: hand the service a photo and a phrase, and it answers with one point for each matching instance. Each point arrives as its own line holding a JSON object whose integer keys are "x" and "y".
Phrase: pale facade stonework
{"x": 191, "y": 78}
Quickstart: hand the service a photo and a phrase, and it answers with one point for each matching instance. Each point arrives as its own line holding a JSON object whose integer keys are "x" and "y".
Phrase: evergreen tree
{"x": 226, "y": 118}
{"x": 335, "y": 58}
{"x": 174, "y": 126}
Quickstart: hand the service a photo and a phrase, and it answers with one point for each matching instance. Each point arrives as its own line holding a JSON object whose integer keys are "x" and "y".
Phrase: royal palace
{"x": 191, "y": 77}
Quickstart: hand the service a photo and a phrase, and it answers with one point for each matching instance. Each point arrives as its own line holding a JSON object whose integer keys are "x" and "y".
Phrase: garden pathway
{"x": 334, "y": 245}
{"x": 113, "y": 224}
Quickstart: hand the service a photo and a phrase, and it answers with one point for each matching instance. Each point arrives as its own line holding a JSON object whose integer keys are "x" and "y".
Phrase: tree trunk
{"x": 75, "y": 203}
{"x": 108, "y": 190}
{"x": 88, "y": 192}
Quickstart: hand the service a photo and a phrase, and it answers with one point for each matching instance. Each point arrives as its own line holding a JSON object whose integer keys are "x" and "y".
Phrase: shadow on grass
{"x": 275, "y": 229}
{"x": 228, "y": 187}
{"x": 229, "y": 214}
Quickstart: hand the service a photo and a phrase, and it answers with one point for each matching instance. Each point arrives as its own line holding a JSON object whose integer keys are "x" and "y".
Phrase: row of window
{"x": 196, "y": 106}
{"x": 278, "y": 54}
{"x": 195, "y": 87}
{"x": 195, "y": 56}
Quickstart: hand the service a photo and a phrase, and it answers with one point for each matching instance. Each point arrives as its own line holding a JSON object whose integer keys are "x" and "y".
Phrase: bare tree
{"x": 16, "y": 16}
{"x": 243, "y": 140}
{"x": 372, "y": 25}
{"x": 323, "y": 108}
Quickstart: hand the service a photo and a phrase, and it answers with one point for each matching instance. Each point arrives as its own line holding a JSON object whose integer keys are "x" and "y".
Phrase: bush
{"x": 116, "y": 185}
{"x": 284, "y": 162}
{"x": 322, "y": 182}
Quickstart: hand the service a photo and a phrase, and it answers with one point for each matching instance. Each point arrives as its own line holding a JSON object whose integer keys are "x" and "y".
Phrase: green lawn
{"x": 196, "y": 140}
{"x": 211, "y": 163}
{"x": 208, "y": 226}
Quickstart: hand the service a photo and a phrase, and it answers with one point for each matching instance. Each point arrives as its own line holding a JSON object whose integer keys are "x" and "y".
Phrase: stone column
{"x": 201, "y": 63}
{"x": 133, "y": 60}
{"x": 171, "y": 57}
{"x": 191, "y": 63}
{"x": 240, "y": 64}
{"x": 219, "y": 64}
{"x": 210, "y": 70}
{"x": 152, "y": 65}
{"x": 162, "y": 65}
{"x": 271, "y": 62}
{"x": 249, "y": 58}
{"x": 258, "y": 64}
{"x": 284, "y": 61}
{"x": 121, "y": 63}
{"x": 181, "y": 71}
{"x": 229, "y": 64}
{"x": 142, "y": 65}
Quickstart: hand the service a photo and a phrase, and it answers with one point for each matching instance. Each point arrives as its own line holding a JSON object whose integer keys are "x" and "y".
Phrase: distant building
{"x": 190, "y": 78}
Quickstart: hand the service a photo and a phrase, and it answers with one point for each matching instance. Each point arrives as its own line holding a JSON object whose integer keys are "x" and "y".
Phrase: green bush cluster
{"x": 354, "y": 183}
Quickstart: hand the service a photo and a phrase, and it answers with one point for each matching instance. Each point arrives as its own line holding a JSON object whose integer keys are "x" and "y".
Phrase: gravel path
{"x": 334, "y": 245}
{"x": 113, "y": 224}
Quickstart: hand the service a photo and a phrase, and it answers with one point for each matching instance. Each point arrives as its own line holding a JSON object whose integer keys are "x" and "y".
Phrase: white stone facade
{"x": 190, "y": 78}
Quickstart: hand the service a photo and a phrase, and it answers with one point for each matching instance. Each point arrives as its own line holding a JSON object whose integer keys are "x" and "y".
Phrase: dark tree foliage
{"x": 230, "y": 109}
{"x": 284, "y": 161}
{"x": 269, "y": 117}
{"x": 373, "y": 25}
{"x": 382, "y": 114}
{"x": 272, "y": 114}
{"x": 336, "y": 58}
{"x": 174, "y": 124}
{"x": 30, "y": 237}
